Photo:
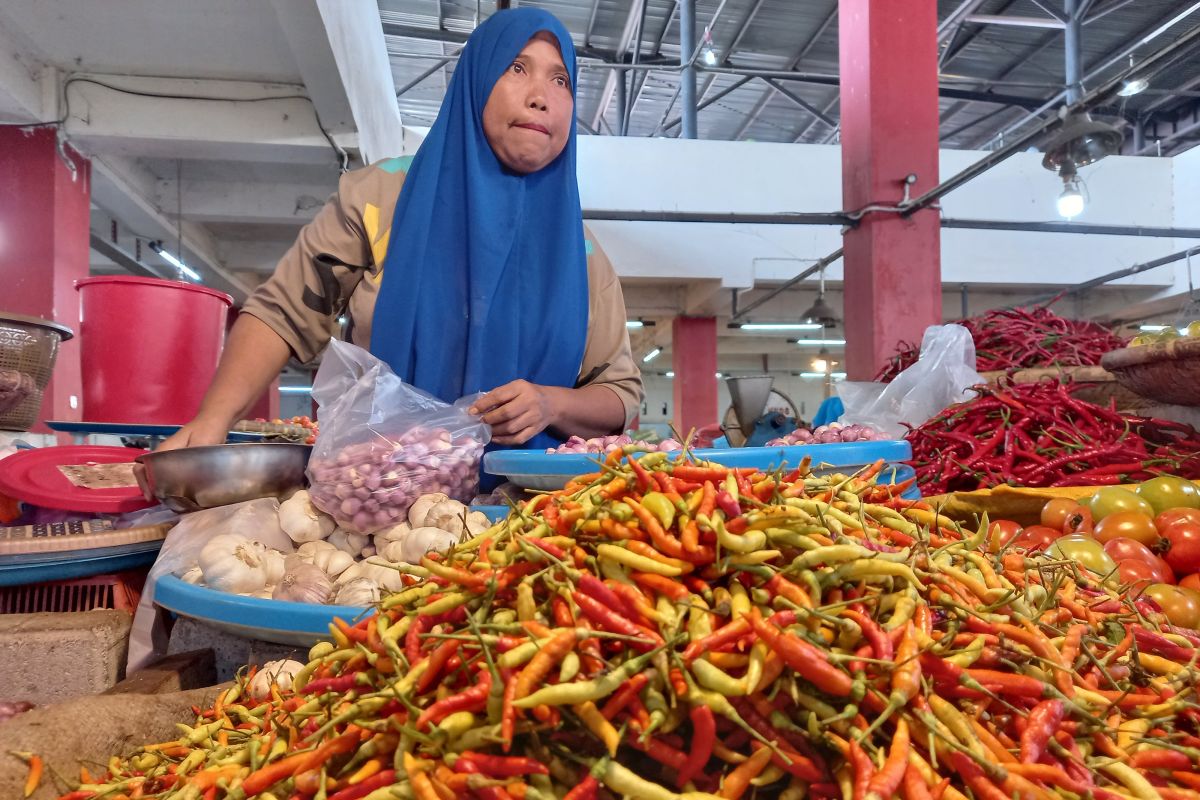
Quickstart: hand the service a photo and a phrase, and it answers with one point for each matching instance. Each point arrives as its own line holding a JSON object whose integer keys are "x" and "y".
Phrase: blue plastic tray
{"x": 20, "y": 570}
{"x": 254, "y": 618}
{"x": 536, "y": 469}
{"x": 270, "y": 620}
{"x": 132, "y": 429}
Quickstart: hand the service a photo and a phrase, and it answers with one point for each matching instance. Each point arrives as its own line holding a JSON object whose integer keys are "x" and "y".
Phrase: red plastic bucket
{"x": 148, "y": 348}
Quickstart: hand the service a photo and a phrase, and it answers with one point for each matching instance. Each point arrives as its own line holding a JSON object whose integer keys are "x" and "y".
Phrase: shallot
{"x": 606, "y": 444}
{"x": 828, "y": 434}
{"x": 371, "y": 485}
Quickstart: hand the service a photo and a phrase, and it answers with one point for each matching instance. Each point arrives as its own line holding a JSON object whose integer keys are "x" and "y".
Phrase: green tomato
{"x": 1110, "y": 500}
{"x": 1168, "y": 333}
{"x": 1193, "y": 329}
{"x": 1085, "y": 551}
{"x": 1167, "y": 491}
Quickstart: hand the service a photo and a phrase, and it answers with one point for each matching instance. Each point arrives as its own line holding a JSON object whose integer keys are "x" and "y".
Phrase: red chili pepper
{"x": 502, "y": 766}
{"x": 341, "y": 684}
{"x": 883, "y": 786}
{"x": 670, "y": 588}
{"x": 380, "y": 779}
{"x": 862, "y": 770}
{"x": 473, "y": 699}
{"x": 484, "y": 791}
{"x": 881, "y": 645}
{"x": 704, "y": 731}
{"x": 624, "y": 696}
{"x": 1042, "y": 723}
{"x": 803, "y": 657}
{"x": 609, "y": 620}
{"x": 1160, "y": 759}
{"x": 435, "y": 665}
{"x": 586, "y": 789}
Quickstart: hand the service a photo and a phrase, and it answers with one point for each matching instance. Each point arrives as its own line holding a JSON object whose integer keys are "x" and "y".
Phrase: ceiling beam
{"x": 226, "y": 120}
{"x": 246, "y": 202}
{"x": 126, "y": 191}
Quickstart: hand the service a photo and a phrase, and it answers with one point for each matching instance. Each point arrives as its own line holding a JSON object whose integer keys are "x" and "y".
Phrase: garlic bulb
{"x": 356, "y": 592}
{"x": 378, "y": 571}
{"x": 273, "y": 565}
{"x": 193, "y": 576}
{"x": 273, "y": 673}
{"x": 332, "y": 562}
{"x": 233, "y": 564}
{"x": 391, "y": 534}
{"x": 303, "y": 583}
{"x": 302, "y": 521}
{"x": 349, "y": 541}
{"x": 417, "y": 511}
{"x": 419, "y": 542}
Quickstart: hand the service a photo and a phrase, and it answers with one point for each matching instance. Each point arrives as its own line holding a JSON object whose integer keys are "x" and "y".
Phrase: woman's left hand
{"x": 517, "y": 411}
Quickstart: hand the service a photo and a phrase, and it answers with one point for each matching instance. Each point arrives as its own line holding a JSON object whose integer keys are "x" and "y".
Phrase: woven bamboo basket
{"x": 1168, "y": 372}
{"x": 1096, "y": 384}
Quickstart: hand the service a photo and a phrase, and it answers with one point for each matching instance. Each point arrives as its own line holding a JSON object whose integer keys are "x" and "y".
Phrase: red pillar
{"x": 44, "y": 229}
{"x": 694, "y": 360}
{"x": 889, "y": 129}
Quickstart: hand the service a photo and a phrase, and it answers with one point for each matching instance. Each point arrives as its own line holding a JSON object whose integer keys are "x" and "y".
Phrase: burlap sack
{"x": 88, "y": 731}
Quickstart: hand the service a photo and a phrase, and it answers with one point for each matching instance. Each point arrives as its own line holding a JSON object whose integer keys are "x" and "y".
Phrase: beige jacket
{"x": 336, "y": 265}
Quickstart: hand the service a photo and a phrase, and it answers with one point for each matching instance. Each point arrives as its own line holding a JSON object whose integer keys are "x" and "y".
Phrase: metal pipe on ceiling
{"x": 1072, "y": 56}
{"x": 1109, "y": 277}
{"x": 778, "y": 290}
{"x": 842, "y": 218}
{"x": 1017, "y": 22}
{"x": 687, "y": 44}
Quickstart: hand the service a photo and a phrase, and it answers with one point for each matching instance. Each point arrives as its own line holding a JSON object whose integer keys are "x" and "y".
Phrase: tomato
{"x": 1085, "y": 551}
{"x": 1166, "y": 492}
{"x": 1110, "y": 500}
{"x": 1055, "y": 512}
{"x": 1127, "y": 525}
{"x": 1174, "y": 515}
{"x": 1190, "y": 582}
{"x": 1000, "y": 533}
{"x": 1135, "y": 574}
{"x": 1184, "y": 552}
{"x": 1035, "y": 538}
{"x": 1122, "y": 550}
{"x": 1079, "y": 520}
{"x": 1179, "y": 605}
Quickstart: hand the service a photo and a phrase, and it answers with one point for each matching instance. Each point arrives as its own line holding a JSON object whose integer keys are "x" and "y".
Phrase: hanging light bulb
{"x": 708, "y": 53}
{"x": 1132, "y": 87}
{"x": 1070, "y": 202}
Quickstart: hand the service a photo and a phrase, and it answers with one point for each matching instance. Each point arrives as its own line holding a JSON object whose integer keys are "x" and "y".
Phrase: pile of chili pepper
{"x": 1040, "y": 434}
{"x": 665, "y": 629}
{"x": 1021, "y": 338}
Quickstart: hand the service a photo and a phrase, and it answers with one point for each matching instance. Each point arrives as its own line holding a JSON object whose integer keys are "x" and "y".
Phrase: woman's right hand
{"x": 199, "y": 432}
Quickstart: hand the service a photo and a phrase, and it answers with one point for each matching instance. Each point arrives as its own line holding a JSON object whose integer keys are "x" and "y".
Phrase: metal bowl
{"x": 194, "y": 478}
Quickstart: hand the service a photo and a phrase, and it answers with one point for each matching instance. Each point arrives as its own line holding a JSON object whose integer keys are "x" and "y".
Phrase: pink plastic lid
{"x": 33, "y": 476}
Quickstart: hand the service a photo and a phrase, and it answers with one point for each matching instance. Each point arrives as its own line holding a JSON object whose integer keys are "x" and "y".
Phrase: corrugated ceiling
{"x": 802, "y": 36}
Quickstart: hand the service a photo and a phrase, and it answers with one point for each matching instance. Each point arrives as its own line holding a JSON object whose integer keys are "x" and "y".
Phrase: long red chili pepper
{"x": 1040, "y": 726}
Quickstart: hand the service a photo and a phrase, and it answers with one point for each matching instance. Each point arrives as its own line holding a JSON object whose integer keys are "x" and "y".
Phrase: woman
{"x": 483, "y": 281}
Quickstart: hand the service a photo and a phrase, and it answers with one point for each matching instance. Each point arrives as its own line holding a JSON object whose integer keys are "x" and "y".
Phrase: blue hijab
{"x": 485, "y": 277}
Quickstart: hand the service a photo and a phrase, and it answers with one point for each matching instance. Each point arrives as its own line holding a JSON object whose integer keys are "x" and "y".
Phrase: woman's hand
{"x": 199, "y": 432}
{"x": 517, "y": 411}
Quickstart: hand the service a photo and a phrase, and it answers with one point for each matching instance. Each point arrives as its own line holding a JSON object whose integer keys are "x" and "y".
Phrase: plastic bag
{"x": 257, "y": 520}
{"x": 384, "y": 443}
{"x": 941, "y": 377}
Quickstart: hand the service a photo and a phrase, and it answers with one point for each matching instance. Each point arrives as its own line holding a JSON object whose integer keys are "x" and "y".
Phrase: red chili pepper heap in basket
{"x": 1021, "y": 338}
{"x": 1039, "y": 434}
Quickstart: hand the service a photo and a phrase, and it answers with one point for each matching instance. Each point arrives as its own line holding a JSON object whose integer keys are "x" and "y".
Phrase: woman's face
{"x": 527, "y": 118}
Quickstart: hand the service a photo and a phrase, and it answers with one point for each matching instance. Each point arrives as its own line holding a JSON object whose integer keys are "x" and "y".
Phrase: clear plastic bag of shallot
{"x": 384, "y": 443}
